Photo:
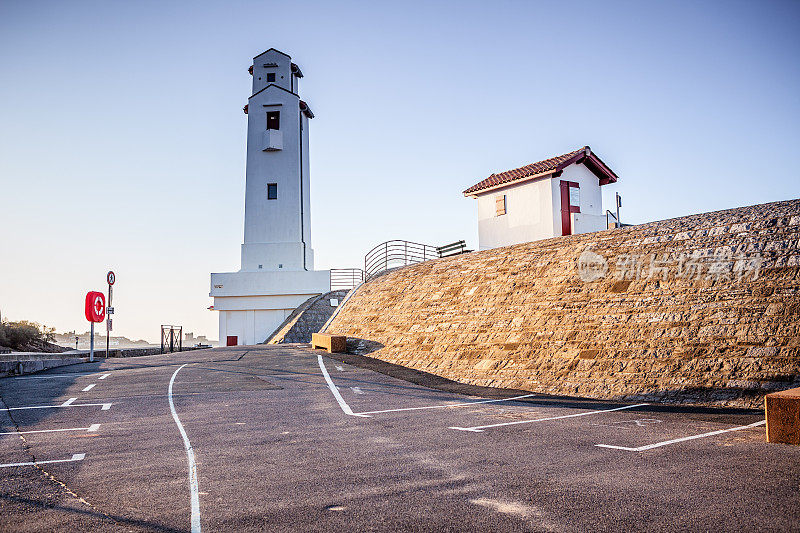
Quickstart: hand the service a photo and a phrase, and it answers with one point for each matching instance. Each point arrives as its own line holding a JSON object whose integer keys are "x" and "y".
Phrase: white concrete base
{"x": 252, "y": 305}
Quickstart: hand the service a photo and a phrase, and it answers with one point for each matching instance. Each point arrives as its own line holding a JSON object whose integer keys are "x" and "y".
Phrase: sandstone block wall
{"x": 704, "y": 308}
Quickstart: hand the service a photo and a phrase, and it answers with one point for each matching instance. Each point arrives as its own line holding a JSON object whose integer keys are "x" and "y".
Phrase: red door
{"x": 566, "y": 207}
{"x": 233, "y": 340}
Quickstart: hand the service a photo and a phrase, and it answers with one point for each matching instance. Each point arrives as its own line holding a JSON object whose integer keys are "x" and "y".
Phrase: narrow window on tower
{"x": 273, "y": 120}
{"x": 272, "y": 191}
{"x": 270, "y": 76}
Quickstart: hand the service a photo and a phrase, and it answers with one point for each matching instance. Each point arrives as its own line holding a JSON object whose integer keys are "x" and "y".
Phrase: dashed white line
{"x": 68, "y": 403}
{"x": 90, "y": 429}
{"x": 75, "y": 457}
{"x": 479, "y": 429}
{"x": 193, "y": 488}
{"x": 683, "y": 439}
{"x": 104, "y": 376}
{"x": 335, "y": 391}
{"x": 356, "y": 390}
{"x": 445, "y": 405}
{"x": 88, "y": 388}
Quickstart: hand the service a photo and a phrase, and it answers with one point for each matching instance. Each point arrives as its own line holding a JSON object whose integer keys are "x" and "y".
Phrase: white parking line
{"x": 445, "y": 405}
{"x": 194, "y": 498}
{"x": 479, "y": 429}
{"x": 673, "y": 441}
{"x": 56, "y": 376}
{"x": 75, "y": 457}
{"x": 335, "y": 391}
{"x": 90, "y": 429}
{"x": 88, "y": 388}
{"x": 68, "y": 403}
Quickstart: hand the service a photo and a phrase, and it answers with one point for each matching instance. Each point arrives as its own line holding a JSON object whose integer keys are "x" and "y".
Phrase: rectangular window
{"x": 574, "y": 197}
{"x": 500, "y": 205}
{"x": 272, "y": 191}
{"x": 273, "y": 120}
{"x": 270, "y": 76}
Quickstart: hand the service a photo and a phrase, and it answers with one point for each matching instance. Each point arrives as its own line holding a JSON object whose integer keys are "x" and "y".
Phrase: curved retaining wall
{"x": 704, "y": 308}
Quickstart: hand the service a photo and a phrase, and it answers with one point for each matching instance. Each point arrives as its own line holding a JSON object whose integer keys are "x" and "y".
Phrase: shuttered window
{"x": 500, "y": 205}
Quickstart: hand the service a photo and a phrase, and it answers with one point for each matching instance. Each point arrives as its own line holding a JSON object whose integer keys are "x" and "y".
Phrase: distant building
{"x": 557, "y": 196}
{"x": 277, "y": 270}
{"x": 190, "y": 340}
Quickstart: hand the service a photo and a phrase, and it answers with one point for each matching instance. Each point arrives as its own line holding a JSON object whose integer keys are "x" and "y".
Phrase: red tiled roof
{"x": 548, "y": 166}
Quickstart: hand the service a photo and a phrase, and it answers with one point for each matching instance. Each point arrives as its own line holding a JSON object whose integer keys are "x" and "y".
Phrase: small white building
{"x": 277, "y": 272}
{"x": 557, "y": 196}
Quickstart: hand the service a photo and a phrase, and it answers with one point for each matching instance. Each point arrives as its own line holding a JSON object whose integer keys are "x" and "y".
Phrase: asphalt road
{"x": 275, "y": 450}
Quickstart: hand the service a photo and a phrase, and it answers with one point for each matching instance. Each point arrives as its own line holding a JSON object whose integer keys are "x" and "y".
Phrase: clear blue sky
{"x": 122, "y": 140}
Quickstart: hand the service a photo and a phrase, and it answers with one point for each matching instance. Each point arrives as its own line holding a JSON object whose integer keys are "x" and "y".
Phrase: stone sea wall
{"x": 703, "y": 308}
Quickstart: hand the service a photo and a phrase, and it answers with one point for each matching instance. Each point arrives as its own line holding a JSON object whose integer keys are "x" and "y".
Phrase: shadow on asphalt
{"x": 120, "y": 520}
{"x": 432, "y": 381}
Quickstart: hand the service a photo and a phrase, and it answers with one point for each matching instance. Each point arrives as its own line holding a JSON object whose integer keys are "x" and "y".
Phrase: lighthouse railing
{"x": 396, "y": 253}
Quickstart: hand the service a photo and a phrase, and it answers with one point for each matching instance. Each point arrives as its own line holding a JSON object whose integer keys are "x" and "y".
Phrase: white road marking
{"x": 68, "y": 403}
{"x": 90, "y": 429}
{"x": 56, "y": 376}
{"x": 104, "y": 376}
{"x": 335, "y": 391}
{"x": 357, "y": 390}
{"x": 75, "y": 457}
{"x": 640, "y": 422}
{"x": 88, "y": 388}
{"x": 339, "y": 368}
{"x": 445, "y": 405}
{"x": 479, "y": 429}
{"x": 674, "y": 441}
{"x": 195, "y": 497}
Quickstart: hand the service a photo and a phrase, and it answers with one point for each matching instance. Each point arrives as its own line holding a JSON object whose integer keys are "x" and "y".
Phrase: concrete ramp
{"x": 307, "y": 319}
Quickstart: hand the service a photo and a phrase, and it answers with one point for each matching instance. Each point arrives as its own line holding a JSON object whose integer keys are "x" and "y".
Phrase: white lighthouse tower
{"x": 277, "y": 272}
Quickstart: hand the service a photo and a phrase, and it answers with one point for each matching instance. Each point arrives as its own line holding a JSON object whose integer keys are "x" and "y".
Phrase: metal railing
{"x": 346, "y": 278}
{"x": 396, "y": 253}
{"x": 454, "y": 248}
{"x": 171, "y": 338}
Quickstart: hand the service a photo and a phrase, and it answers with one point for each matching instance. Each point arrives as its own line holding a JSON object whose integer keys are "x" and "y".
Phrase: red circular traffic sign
{"x": 110, "y": 277}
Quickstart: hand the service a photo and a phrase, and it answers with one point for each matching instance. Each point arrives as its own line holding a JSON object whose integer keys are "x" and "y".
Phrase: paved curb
{"x": 18, "y": 368}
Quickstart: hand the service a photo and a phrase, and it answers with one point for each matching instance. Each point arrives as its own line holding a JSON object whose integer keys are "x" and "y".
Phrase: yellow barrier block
{"x": 332, "y": 343}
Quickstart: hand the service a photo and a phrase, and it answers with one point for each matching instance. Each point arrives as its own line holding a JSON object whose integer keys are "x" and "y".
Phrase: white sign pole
{"x": 91, "y": 345}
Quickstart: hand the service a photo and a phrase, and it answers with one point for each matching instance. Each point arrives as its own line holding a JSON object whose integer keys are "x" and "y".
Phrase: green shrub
{"x": 24, "y": 335}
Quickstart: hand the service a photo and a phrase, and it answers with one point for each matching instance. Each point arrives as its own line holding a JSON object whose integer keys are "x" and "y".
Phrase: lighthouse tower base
{"x": 252, "y": 304}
